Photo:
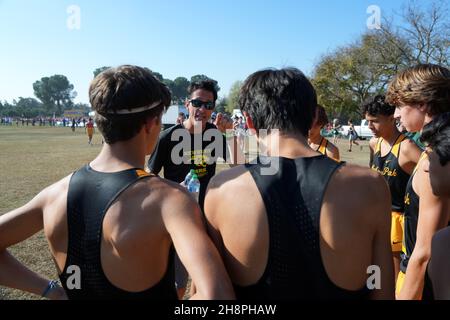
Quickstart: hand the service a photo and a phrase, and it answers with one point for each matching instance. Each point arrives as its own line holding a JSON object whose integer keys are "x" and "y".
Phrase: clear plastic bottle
{"x": 194, "y": 186}
{"x": 188, "y": 177}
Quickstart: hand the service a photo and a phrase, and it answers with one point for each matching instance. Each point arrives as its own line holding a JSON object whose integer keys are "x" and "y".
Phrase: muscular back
{"x": 354, "y": 227}
{"x": 135, "y": 244}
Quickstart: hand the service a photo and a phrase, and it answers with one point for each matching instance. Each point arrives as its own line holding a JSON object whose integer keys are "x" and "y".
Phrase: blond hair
{"x": 424, "y": 84}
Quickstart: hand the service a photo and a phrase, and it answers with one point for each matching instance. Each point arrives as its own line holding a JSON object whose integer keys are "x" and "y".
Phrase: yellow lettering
{"x": 407, "y": 200}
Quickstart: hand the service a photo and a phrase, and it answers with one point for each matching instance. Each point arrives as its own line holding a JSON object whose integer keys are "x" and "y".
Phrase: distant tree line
{"x": 343, "y": 78}
{"x": 55, "y": 94}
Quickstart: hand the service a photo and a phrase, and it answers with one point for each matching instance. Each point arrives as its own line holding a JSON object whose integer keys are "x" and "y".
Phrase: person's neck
{"x": 286, "y": 145}
{"x": 426, "y": 121}
{"x": 194, "y": 127}
{"x": 120, "y": 156}
{"x": 391, "y": 136}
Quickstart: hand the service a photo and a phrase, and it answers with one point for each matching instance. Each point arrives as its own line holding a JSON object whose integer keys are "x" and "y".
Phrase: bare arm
{"x": 372, "y": 145}
{"x": 195, "y": 249}
{"x": 433, "y": 216}
{"x": 17, "y": 226}
{"x": 409, "y": 156}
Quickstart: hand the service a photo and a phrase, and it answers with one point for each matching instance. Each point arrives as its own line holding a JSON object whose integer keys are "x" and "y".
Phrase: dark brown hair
{"x": 126, "y": 88}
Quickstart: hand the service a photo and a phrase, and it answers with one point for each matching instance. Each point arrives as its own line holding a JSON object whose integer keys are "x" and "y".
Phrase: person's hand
{"x": 57, "y": 294}
{"x": 222, "y": 123}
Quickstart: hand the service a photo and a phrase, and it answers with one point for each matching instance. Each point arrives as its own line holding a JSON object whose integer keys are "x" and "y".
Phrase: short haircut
{"x": 208, "y": 85}
{"x": 377, "y": 105}
{"x": 322, "y": 118}
{"x": 423, "y": 84}
{"x": 437, "y": 135}
{"x": 126, "y": 87}
{"x": 279, "y": 99}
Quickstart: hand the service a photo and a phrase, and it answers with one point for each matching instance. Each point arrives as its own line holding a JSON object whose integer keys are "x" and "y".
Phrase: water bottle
{"x": 194, "y": 186}
{"x": 188, "y": 177}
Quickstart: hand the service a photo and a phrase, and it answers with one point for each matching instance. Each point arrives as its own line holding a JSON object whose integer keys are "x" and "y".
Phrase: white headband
{"x": 135, "y": 110}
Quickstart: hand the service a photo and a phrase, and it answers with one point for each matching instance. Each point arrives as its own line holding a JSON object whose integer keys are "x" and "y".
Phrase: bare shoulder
{"x": 421, "y": 180}
{"x": 359, "y": 184}
{"x": 410, "y": 149}
{"x": 235, "y": 178}
{"x": 162, "y": 191}
{"x": 55, "y": 192}
{"x": 230, "y": 192}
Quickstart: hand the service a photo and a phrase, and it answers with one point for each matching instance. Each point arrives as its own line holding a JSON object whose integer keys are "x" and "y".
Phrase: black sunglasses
{"x": 199, "y": 103}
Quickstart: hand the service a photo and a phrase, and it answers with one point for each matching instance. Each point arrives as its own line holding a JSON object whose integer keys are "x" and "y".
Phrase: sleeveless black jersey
{"x": 410, "y": 223}
{"x": 410, "y": 231}
{"x": 293, "y": 201}
{"x": 411, "y": 219}
{"x": 389, "y": 167}
{"x": 90, "y": 195}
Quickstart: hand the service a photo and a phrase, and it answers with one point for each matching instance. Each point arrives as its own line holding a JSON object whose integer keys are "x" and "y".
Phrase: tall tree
{"x": 348, "y": 75}
{"x": 158, "y": 76}
{"x": 233, "y": 97}
{"x": 169, "y": 83}
{"x": 82, "y": 106}
{"x": 180, "y": 89}
{"x": 29, "y": 107}
{"x": 221, "y": 105}
{"x": 100, "y": 70}
{"x": 424, "y": 37}
{"x": 55, "y": 92}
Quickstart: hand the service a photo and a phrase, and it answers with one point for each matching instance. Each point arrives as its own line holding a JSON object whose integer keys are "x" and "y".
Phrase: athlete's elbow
{"x": 221, "y": 292}
{"x": 218, "y": 291}
{"x": 421, "y": 256}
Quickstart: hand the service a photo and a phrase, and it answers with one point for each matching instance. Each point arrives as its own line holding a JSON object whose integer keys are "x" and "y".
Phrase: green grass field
{"x": 32, "y": 158}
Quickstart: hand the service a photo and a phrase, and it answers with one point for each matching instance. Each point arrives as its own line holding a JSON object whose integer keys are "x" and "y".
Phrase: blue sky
{"x": 226, "y": 40}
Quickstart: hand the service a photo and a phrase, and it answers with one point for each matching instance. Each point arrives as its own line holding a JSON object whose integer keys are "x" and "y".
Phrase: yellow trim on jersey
{"x": 142, "y": 173}
{"x": 378, "y": 147}
{"x": 396, "y": 147}
{"x": 323, "y": 146}
{"x": 422, "y": 156}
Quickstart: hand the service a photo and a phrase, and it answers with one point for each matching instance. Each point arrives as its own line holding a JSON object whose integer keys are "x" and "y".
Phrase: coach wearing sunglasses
{"x": 194, "y": 144}
{"x": 193, "y": 141}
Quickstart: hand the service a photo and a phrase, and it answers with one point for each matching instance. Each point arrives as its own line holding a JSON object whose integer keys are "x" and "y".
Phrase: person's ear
{"x": 392, "y": 119}
{"x": 424, "y": 108}
{"x": 151, "y": 122}
{"x": 186, "y": 103}
{"x": 249, "y": 121}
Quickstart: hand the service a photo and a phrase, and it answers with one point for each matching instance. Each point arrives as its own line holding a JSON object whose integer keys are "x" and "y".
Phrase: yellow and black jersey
{"x": 389, "y": 167}
{"x": 411, "y": 217}
{"x": 322, "y": 148}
